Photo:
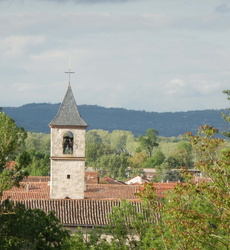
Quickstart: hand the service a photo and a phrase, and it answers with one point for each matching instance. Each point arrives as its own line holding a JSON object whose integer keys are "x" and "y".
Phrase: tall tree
{"x": 11, "y": 138}
{"x": 149, "y": 141}
{"x": 196, "y": 215}
{"x": 225, "y": 116}
{"x": 93, "y": 151}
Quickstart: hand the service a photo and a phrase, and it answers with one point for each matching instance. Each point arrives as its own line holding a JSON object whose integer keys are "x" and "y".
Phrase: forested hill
{"x": 36, "y": 117}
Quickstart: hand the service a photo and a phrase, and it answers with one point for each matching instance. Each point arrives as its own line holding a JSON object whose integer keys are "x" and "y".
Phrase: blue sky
{"x": 153, "y": 55}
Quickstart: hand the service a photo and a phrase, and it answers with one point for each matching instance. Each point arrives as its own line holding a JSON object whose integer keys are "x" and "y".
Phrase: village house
{"x": 138, "y": 179}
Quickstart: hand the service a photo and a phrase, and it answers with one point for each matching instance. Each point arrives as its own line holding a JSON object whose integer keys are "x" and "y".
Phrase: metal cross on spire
{"x": 69, "y": 70}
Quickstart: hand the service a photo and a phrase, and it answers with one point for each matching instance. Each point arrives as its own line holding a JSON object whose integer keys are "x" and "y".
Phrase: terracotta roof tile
{"x": 78, "y": 212}
{"x": 36, "y": 179}
{"x": 91, "y": 177}
{"x": 10, "y": 164}
{"x": 202, "y": 179}
{"x": 104, "y": 191}
{"x": 110, "y": 180}
{"x": 41, "y": 190}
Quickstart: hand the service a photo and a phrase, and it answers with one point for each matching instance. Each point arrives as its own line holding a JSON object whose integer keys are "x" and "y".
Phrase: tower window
{"x": 68, "y": 176}
{"x": 68, "y": 143}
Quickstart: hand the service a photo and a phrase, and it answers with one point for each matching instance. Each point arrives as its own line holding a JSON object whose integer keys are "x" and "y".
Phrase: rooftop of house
{"x": 90, "y": 177}
{"x": 41, "y": 190}
{"x": 78, "y": 212}
{"x": 134, "y": 178}
{"x": 110, "y": 180}
{"x": 10, "y": 164}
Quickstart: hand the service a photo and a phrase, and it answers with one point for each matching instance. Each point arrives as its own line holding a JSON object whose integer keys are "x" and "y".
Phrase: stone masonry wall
{"x": 78, "y": 142}
{"x": 62, "y": 187}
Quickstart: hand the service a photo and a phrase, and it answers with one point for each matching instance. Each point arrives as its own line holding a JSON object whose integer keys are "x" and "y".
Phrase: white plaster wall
{"x": 134, "y": 180}
{"x": 60, "y": 186}
{"x": 57, "y": 140}
{"x": 86, "y": 234}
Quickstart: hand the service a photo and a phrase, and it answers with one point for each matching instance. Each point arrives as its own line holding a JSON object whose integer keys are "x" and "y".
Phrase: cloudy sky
{"x": 153, "y": 55}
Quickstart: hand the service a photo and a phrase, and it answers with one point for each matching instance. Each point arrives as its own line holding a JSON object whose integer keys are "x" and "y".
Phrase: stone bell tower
{"x": 67, "y": 151}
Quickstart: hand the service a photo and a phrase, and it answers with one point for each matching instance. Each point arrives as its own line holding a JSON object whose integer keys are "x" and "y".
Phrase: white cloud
{"x": 24, "y": 87}
{"x": 205, "y": 87}
{"x": 175, "y": 87}
{"x": 149, "y": 59}
{"x": 16, "y": 45}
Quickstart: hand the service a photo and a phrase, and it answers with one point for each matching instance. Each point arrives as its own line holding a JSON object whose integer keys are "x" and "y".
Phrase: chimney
{"x": 27, "y": 186}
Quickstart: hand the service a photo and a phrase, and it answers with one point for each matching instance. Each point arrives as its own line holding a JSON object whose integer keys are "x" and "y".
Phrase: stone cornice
{"x": 67, "y": 158}
{"x": 68, "y": 127}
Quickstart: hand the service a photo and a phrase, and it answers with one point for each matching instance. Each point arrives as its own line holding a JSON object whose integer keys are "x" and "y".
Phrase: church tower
{"x": 67, "y": 151}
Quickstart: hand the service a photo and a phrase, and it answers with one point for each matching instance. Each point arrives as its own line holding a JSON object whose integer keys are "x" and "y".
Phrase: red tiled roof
{"x": 202, "y": 179}
{"x": 104, "y": 191}
{"x": 143, "y": 178}
{"x": 41, "y": 190}
{"x": 78, "y": 212}
{"x": 161, "y": 188}
{"x": 10, "y": 164}
{"x": 91, "y": 177}
{"x": 110, "y": 180}
{"x": 36, "y": 179}
{"x": 37, "y": 190}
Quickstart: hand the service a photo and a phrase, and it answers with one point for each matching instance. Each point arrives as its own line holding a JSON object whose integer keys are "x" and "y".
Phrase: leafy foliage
{"x": 22, "y": 228}
{"x": 11, "y": 137}
{"x": 224, "y": 115}
{"x": 93, "y": 151}
{"x": 196, "y": 216}
{"x": 126, "y": 230}
{"x": 114, "y": 165}
{"x": 38, "y": 164}
{"x": 156, "y": 160}
{"x": 136, "y": 162}
{"x": 148, "y": 141}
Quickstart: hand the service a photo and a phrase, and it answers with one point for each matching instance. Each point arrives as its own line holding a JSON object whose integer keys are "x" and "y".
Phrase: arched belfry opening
{"x": 68, "y": 143}
{"x": 67, "y": 165}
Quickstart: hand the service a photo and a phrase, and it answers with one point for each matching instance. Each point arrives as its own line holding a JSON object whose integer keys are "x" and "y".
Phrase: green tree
{"x": 156, "y": 160}
{"x": 39, "y": 164}
{"x": 114, "y": 165}
{"x": 170, "y": 175}
{"x": 22, "y": 228}
{"x": 196, "y": 216}
{"x": 179, "y": 158}
{"x": 149, "y": 141}
{"x": 38, "y": 141}
{"x": 93, "y": 137}
{"x": 11, "y": 138}
{"x": 186, "y": 146}
{"x": 137, "y": 161}
{"x": 93, "y": 151}
{"x": 127, "y": 229}
{"x": 118, "y": 139}
{"x": 225, "y": 116}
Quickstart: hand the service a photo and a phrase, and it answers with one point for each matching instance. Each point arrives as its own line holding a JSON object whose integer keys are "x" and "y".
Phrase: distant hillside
{"x": 36, "y": 117}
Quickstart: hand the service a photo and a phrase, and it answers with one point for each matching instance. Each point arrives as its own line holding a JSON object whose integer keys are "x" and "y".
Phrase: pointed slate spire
{"x": 68, "y": 114}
